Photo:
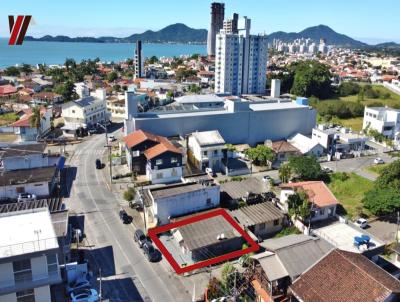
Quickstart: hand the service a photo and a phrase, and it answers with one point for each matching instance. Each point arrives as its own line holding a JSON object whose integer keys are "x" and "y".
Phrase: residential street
{"x": 126, "y": 274}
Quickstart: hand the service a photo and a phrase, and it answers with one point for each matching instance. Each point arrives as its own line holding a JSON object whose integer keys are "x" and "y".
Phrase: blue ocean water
{"x": 56, "y": 52}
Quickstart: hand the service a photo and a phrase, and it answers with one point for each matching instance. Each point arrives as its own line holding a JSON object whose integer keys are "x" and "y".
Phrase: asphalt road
{"x": 126, "y": 273}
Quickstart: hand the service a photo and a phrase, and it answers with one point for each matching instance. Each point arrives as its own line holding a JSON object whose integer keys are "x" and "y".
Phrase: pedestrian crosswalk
{"x": 89, "y": 152}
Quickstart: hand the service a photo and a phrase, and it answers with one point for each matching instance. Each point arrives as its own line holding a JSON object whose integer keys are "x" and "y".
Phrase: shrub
{"x": 129, "y": 194}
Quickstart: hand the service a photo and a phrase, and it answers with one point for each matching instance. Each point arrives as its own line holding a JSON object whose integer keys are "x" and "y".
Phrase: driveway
{"x": 384, "y": 229}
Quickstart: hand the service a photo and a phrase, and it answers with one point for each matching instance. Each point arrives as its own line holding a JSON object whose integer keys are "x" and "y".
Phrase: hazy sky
{"x": 368, "y": 20}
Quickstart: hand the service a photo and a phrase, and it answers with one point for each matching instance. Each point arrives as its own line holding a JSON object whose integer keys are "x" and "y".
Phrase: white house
{"x": 306, "y": 145}
{"x": 86, "y": 111}
{"x": 28, "y": 256}
{"x": 38, "y": 181}
{"x": 385, "y": 120}
{"x": 25, "y": 156}
{"x": 24, "y": 130}
{"x": 206, "y": 149}
{"x": 176, "y": 200}
{"x": 323, "y": 202}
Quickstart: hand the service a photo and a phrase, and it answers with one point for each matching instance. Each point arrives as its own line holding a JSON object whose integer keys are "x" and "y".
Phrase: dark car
{"x": 140, "y": 237}
{"x": 98, "y": 164}
{"x": 152, "y": 254}
{"x": 126, "y": 219}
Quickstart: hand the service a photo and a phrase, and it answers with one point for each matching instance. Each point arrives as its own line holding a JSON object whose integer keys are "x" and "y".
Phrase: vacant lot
{"x": 350, "y": 191}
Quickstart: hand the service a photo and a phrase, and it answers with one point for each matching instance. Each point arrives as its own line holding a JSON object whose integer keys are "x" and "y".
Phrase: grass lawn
{"x": 8, "y": 118}
{"x": 354, "y": 123}
{"x": 376, "y": 169}
{"x": 350, "y": 192}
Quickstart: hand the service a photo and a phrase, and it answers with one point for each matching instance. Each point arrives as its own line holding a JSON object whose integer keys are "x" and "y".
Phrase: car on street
{"x": 327, "y": 169}
{"x": 378, "y": 161}
{"x": 111, "y": 138}
{"x": 84, "y": 295}
{"x": 26, "y": 197}
{"x": 361, "y": 223}
{"x": 266, "y": 178}
{"x": 92, "y": 131}
{"x": 78, "y": 284}
{"x": 98, "y": 164}
{"x": 126, "y": 219}
{"x": 151, "y": 253}
{"x": 140, "y": 237}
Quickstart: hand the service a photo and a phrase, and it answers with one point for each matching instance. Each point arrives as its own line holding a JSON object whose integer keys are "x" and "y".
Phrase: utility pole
{"x": 398, "y": 223}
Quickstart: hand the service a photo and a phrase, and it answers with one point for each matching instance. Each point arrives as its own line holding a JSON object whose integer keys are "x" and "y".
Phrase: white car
{"x": 26, "y": 197}
{"x": 266, "y": 178}
{"x": 84, "y": 295}
{"x": 327, "y": 169}
{"x": 378, "y": 161}
{"x": 361, "y": 222}
{"x": 111, "y": 138}
{"x": 209, "y": 171}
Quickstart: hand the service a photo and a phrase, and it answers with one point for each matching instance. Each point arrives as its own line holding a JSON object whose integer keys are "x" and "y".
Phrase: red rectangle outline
{"x": 180, "y": 270}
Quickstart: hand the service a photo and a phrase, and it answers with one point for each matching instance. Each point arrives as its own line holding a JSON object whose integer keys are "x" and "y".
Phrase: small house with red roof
{"x": 153, "y": 155}
{"x": 323, "y": 202}
{"x": 7, "y": 90}
{"x": 24, "y": 130}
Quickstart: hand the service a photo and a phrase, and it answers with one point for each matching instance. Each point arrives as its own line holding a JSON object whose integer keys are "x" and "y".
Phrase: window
{"x": 20, "y": 189}
{"x": 27, "y": 295}
{"x": 159, "y": 175}
{"x": 174, "y": 160}
{"x": 159, "y": 162}
{"x": 321, "y": 211}
{"x": 215, "y": 152}
{"x": 262, "y": 226}
{"x": 73, "y": 111}
{"x": 276, "y": 222}
{"x": 22, "y": 270}
{"x": 209, "y": 201}
{"x": 38, "y": 185}
{"x": 52, "y": 264}
{"x": 205, "y": 153}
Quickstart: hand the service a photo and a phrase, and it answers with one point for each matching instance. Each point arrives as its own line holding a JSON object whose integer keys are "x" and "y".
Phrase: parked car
{"x": 378, "y": 161}
{"x": 140, "y": 237}
{"x": 26, "y": 197}
{"x": 78, "y": 284}
{"x": 98, "y": 164}
{"x": 361, "y": 222}
{"x": 266, "y": 178}
{"x": 151, "y": 253}
{"x": 126, "y": 219}
{"x": 84, "y": 295}
{"x": 327, "y": 169}
{"x": 92, "y": 131}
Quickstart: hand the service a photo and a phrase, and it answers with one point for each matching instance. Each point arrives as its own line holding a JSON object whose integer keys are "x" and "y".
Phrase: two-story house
{"x": 24, "y": 130}
{"x": 86, "y": 111}
{"x": 153, "y": 155}
{"x": 28, "y": 256}
{"x": 206, "y": 150}
{"x": 384, "y": 120}
{"x": 323, "y": 202}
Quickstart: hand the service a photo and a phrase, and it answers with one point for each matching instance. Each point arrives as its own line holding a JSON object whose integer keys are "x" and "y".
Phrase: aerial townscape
{"x": 262, "y": 168}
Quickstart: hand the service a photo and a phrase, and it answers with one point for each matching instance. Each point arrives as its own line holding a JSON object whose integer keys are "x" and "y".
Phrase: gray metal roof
{"x": 205, "y": 232}
{"x": 209, "y": 138}
{"x": 199, "y": 98}
{"x": 239, "y": 189}
{"x": 257, "y": 213}
{"x": 22, "y": 150}
{"x": 83, "y": 102}
{"x": 298, "y": 252}
{"x": 174, "y": 190}
{"x": 271, "y": 265}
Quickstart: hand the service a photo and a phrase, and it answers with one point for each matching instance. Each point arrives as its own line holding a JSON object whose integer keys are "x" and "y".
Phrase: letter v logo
{"x": 18, "y": 29}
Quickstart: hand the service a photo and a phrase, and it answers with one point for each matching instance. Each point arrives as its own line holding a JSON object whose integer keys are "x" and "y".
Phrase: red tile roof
{"x": 344, "y": 276}
{"x": 284, "y": 146}
{"x": 24, "y": 120}
{"x": 317, "y": 192}
{"x": 7, "y": 89}
{"x": 139, "y": 136}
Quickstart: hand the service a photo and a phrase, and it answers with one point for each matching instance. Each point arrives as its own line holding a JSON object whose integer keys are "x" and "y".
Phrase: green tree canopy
{"x": 389, "y": 177}
{"x": 382, "y": 201}
{"x": 299, "y": 205}
{"x": 112, "y": 76}
{"x": 11, "y": 71}
{"x": 305, "y": 167}
{"x": 261, "y": 155}
{"x": 67, "y": 90}
{"x": 285, "y": 172}
{"x": 26, "y": 68}
{"x": 312, "y": 78}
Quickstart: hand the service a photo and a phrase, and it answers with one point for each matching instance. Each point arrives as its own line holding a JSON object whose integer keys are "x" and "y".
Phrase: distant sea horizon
{"x": 49, "y": 53}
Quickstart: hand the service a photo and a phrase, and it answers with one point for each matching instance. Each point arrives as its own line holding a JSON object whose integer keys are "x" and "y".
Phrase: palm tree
{"x": 285, "y": 172}
{"x": 35, "y": 118}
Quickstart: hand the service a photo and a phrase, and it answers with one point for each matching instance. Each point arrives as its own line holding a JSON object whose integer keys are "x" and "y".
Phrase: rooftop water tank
{"x": 302, "y": 101}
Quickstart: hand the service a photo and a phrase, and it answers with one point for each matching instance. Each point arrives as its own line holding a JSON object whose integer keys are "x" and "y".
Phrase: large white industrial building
{"x": 249, "y": 121}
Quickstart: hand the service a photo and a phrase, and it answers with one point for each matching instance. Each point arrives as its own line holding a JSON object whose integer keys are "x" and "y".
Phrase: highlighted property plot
{"x": 202, "y": 240}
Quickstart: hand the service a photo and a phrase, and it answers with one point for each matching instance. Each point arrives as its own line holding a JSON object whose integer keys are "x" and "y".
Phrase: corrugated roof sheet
{"x": 257, "y": 213}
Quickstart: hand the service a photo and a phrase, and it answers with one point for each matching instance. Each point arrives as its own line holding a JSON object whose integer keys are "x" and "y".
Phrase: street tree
{"x": 305, "y": 167}
{"x": 285, "y": 172}
{"x": 261, "y": 155}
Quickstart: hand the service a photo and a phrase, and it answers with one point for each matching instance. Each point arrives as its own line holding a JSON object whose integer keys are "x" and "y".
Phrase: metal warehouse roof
{"x": 257, "y": 213}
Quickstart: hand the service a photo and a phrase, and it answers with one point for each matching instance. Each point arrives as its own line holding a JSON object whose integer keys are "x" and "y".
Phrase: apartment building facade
{"x": 29, "y": 262}
{"x": 384, "y": 120}
{"x": 241, "y": 61}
